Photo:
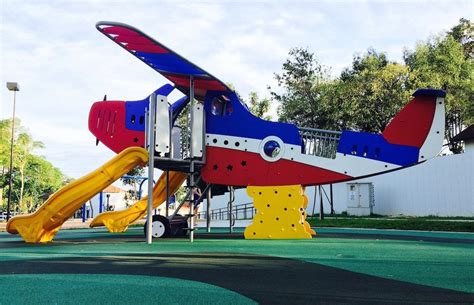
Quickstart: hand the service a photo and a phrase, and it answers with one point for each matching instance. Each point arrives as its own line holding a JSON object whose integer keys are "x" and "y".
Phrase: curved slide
{"x": 43, "y": 225}
{"x": 118, "y": 221}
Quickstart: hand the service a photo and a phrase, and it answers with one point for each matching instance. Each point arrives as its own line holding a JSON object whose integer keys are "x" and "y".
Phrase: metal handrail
{"x": 320, "y": 130}
{"x": 319, "y": 142}
{"x": 239, "y": 212}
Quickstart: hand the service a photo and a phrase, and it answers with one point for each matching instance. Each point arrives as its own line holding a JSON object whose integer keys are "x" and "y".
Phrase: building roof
{"x": 466, "y": 134}
{"x": 112, "y": 189}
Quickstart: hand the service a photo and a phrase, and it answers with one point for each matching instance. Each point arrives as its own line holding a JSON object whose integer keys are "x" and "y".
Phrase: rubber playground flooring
{"x": 339, "y": 266}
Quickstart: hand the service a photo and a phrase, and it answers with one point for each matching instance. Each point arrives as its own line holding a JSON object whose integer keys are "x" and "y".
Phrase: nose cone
{"x": 107, "y": 122}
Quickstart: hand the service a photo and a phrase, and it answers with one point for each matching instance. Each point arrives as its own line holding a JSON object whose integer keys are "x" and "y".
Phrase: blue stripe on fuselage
{"x": 374, "y": 146}
{"x": 135, "y": 110}
{"x": 239, "y": 122}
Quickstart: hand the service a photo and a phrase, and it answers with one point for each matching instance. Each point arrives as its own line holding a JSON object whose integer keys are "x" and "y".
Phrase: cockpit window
{"x": 221, "y": 106}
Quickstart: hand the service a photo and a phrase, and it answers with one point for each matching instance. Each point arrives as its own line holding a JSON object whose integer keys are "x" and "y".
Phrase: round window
{"x": 271, "y": 148}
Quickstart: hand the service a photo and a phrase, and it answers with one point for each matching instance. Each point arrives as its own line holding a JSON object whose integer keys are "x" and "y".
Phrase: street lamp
{"x": 12, "y": 86}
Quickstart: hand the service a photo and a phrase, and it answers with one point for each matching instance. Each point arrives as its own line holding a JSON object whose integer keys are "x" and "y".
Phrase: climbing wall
{"x": 281, "y": 213}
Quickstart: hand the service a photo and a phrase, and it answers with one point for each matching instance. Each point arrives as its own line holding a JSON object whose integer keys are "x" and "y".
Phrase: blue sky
{"x": 63, "y": 64}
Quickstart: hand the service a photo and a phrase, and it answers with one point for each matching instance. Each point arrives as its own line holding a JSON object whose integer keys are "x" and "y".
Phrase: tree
{"x": 136, "y": 172}
{"x": 444, "y": 62}
{"x": 258, "y": 107}
{"x": 24, "y": 146}
{"x": 42, "y": 179}
{"x": 463, "y": 33}
{"x": 372, "y": 91}
{"x": 303, "y": 90}
{"x": 33, "y": 177}
{"x": 5, "y": 136}
{"x": 365, "y": 97}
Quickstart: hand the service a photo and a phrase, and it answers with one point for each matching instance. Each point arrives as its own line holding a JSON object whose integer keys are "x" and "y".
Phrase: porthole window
{"x": 271, "y": 148}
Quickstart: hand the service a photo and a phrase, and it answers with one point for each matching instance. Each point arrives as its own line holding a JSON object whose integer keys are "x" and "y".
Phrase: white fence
{"x": 442, "y": 186}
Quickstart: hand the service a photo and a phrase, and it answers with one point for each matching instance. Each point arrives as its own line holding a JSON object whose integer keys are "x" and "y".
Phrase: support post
{"x": 84, "y": 213}
{"x": 229, "y": 206}
{"x": 331, "y": 199}
{"x": 101, "y": 201}
{"x": 167, "y": 193}
{"x": 10, "y": 172}
{"x": 314, "y": 199}
{"x": 208, "y": 211}
{"x": 321, "y": 208}
{"x": 151, "y": 167}
{"x": 191, "y": 153}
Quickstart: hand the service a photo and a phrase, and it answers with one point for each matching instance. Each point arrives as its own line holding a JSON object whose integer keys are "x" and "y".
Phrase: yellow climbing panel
{"x": 281, "y": 213}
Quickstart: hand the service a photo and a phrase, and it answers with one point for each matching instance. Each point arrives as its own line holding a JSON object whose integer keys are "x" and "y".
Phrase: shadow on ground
{"x": 267, "y": 280}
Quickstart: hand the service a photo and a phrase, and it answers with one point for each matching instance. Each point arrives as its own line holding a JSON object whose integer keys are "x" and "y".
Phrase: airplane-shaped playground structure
{"x": 224, "y": 144}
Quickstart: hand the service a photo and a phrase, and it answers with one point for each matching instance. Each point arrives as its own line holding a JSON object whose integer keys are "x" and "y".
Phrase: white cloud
{"x": 63, "y": 64}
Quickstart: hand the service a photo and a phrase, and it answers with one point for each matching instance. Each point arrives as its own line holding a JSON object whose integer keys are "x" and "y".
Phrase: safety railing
{"x": 319, "y": 142}
{"x": 239, "y": 212}
{"x": 185, "y": 141}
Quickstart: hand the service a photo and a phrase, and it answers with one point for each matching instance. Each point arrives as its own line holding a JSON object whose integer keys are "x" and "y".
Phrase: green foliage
{"x": 373, "y": 90}
{"x": 440, "y": 63}
{"x": 366, "y": 96}
{"x": 5, "y": 136}
{"x": 305, "y": 88}
{"x": 259, "y": 107}
{"x": 132, "y": 195}
{"x": 34, "y": 179}
{"x": 42, "y": 179}
{"x": 464, "y": 34}
{"x": 446, "y": 62}
{"x": 417, "y": 223}
{"x": 136, "y": 172}
{"x": 180, "y": 195}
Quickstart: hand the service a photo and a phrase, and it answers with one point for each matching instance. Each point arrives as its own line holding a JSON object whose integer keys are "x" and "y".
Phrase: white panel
{"x": 176, "y": 142}
{"x": 198, "y": 129}
{"x": 353, "y": 195}
{"x": 162, "y": 132}
{"x": 434, "y": 141}
{"x": 442, "y": 186}
{"x": 344, "y": 164}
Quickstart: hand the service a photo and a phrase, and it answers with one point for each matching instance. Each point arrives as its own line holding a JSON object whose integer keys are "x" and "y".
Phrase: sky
{"x": 63, "y": 64}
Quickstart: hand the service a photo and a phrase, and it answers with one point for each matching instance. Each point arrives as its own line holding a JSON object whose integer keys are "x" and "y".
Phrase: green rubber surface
{"x": 111, "y": 289}
{"x": 433, "y": 259}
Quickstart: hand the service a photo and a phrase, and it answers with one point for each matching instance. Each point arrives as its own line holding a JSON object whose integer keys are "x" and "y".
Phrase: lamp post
{"x": 12, "y": 86}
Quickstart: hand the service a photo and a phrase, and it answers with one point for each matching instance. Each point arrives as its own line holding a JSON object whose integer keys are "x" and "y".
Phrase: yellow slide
{"x": 118, "y": 221}
{"x": 42, "y": 225}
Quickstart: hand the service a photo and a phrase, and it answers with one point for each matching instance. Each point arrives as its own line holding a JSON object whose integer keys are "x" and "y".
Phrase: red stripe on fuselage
{"x": 234, "y": 167}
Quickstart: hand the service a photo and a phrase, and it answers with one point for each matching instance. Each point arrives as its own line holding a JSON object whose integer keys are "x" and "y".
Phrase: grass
{"x": 399, "y": 223}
